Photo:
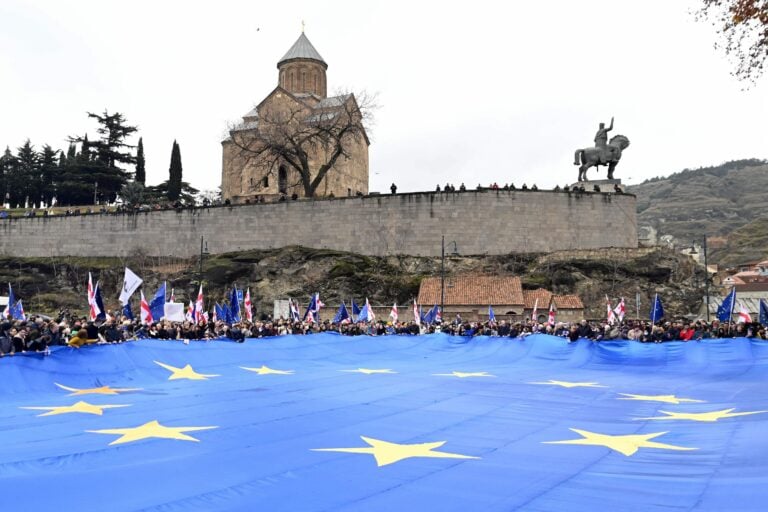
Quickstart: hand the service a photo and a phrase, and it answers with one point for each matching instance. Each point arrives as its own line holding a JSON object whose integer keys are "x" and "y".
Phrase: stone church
{"x": 285, "y": 132}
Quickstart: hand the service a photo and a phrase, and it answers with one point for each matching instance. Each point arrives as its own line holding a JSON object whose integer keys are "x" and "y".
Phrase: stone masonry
{"x": 481, "y": 222}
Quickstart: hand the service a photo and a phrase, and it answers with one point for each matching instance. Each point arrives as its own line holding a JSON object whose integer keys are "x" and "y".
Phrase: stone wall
{"x": 481, "y": 222}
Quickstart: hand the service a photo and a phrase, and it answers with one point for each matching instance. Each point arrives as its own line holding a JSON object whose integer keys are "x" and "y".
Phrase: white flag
{"x": 130, "y": 283}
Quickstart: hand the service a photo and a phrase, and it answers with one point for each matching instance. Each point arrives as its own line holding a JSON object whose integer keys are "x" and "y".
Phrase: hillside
{"x": 46, "y": 285}
{"x": 716, "y": 201}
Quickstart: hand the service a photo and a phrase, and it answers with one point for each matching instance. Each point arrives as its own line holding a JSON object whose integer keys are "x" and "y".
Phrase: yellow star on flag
{"x": 669, "y": 399}
{"x": 103, "y": 390}
{"x": 184, "y": 373}
{"x": 626, "y": 445}
{"x": 565, "y": 384}
{"x": 388, "y": 453}
{"x": 711, "y": 416}
{"x": 149, "y": 430}
{"x": 369, "y": 371}
{"x": 83, "y": 407}
{"x": 265, "y": 370}
{"x": 464, "y": 375}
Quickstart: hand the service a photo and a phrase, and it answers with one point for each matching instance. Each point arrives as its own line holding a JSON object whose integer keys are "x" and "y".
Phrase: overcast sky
{"x": 477, "y": 92}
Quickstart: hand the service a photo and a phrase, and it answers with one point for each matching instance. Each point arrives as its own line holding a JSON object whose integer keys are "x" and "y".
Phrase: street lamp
{"x": 203, "y": 251}
{"x": 706, "y": 273}
{"x": 442, "y": 270}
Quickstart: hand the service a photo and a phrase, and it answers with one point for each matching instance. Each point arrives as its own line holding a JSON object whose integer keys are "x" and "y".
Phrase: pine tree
{"x": 140, "y": 175}
{"x": 49, "y": 168}
{"x": 24, "y": 182}
{"x": 71, "y": 154}
{"x": 174, "y": 173}
{"x": 7, "y": 164}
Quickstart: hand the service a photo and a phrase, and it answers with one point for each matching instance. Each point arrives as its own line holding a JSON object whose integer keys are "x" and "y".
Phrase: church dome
{"x": 302, "y": 49}
{"x": 302, "y": 70}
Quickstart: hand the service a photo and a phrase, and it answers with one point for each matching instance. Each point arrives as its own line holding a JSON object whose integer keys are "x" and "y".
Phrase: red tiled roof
{"x": 473, "y": 290}
{"x": 567, "y": 302}
{"x": 541, "y": 294}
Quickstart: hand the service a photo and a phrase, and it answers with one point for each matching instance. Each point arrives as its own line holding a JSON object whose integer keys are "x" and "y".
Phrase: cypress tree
{"x": 49, "y": 168}
{"x": 141, "y": 175}
{"x": 7, "y": 164}
{"x": 174, "y": 173}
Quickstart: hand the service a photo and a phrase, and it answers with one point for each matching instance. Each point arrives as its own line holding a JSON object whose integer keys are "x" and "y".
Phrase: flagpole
{"x": 733, "y": 305}
{"x": 653, "y": 316}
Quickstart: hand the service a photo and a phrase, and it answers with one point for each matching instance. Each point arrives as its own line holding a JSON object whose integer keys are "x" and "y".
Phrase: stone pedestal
{"x": 605, "y": 185}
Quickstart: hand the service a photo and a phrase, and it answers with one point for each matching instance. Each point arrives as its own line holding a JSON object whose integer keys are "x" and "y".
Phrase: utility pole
{"x": 706, "y": 276}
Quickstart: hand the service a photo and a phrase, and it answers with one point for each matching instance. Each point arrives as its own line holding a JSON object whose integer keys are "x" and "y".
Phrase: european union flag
{"x": 725, "y": 310}
{"x": 11, "y": 299}
{"x": 491, "y": 316}
{"x": 341, "y": 315}
{"x": 657, "y": 310}
{"x": 763, "y": 312}
{"x": 355, "y": 308}
{"x": 127, "y": 313}
{"x": 221, "y": 315}
{"x": 157, "y": 304}
{"x": 234, "y": 305}
{"x": 319, "y": 423}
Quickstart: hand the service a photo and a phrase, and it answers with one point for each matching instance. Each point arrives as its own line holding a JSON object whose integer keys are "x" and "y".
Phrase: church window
{"x": 265, "y": 182}
{"x": 282, "y": 180}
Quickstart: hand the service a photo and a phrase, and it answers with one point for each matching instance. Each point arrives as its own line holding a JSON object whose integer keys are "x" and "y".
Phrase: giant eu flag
{"x": 327, "y": 422}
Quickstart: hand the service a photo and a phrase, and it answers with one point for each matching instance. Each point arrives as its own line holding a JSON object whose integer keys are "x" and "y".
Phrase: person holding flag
{"x": 551, "y": 316}
{"x": 611, "y": 318}
{"x": 199, "y": 306}
{"x": 416, "y": 314}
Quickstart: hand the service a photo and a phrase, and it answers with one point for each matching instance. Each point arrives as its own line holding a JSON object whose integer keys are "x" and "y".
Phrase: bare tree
{"x": 309, "y": 138}
{"x": 743, "y": 25}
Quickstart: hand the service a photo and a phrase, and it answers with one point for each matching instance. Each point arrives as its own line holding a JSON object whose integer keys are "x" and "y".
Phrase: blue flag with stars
{"x": 382, "y": 423}
{"x": 763, "y": 312}
{"x": 725, "y": 310}
{"x": 657, "y": 310}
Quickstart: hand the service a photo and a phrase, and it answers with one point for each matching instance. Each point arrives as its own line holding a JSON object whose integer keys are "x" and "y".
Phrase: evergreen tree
{"x": 49, "y": 168}
{"x": 71, "y": 154}
{"x": 174, "y": 173}
{"x": 24, "y": 182}
{"x": 140, "y": 175}
{"x": 7, "y": 165}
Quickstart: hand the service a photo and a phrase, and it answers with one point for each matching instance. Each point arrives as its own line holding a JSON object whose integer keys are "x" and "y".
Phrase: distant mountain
{"x": 728, "y": 200}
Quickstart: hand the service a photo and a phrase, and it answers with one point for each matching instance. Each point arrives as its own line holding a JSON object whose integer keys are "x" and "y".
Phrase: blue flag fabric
{"x": 221, "y": 315}
{"x": 127, "y": 313}
{"x": 355, "y": 308}
{"x": 460, "y": 424}
{"x": 11, "y": 301}
{"x": 227, "y": 314}
{"x": 17, "y": 311}
{"x": 341, "y": 315}
{"x": 100, "y": 304}
{"x": 157, "y": 304}
{"x": 763, "y": 312}
{"x": 725, "y": 310}
{"x": 657, "y": 310}
{"x": 491, "y": 316}
{"x": 311, "y": 307}
{"x": 234, "y": 306}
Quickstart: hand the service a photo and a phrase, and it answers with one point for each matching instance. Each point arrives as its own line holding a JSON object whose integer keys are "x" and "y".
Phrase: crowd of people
{"x": 38, "y": 334}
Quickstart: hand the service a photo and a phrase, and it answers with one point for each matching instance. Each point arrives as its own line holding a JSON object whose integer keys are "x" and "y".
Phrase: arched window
{"x": 265, "y": 182}
{"x": 282, "y": 180}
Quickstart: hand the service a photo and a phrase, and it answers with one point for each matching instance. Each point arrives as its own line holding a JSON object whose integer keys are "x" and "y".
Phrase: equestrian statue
{"x": 604, "y": 152}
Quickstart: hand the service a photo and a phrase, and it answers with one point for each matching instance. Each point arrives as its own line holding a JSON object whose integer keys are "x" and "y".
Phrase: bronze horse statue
{"x": 608, "y": 155}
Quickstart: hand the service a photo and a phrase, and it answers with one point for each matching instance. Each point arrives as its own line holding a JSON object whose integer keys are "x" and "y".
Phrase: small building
{"x": 471, "y": 295}
{"x": 749, "y": 298}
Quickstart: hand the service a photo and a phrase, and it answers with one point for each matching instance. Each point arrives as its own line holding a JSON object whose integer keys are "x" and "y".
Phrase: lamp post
{"x": 442, "y": 270}
{"x": 706, "y": 273}
{"x": 203, "y": 251}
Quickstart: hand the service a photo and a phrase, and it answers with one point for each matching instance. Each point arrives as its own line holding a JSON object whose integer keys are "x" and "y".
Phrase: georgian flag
{"x": 247, "y": 304}
{"x": 744, "y": 316}
{"x": 416, "y": 315}
{"x": 199, "y": 307}
{"x": 611, "y": 315}
{"x": 146, "y": 313}
{"x": 318, "y": 304}
{"x": 439, "y": 316}
{"x": 310, "y": 319}
{"x": 93, "y": 308}
{"x": 534, "y": 313}
{"x": 294, "y": 310}
{"x": 620, "y": 310}
{"x": 393, "y": 313}
{"x": 551, "y": 319}
{"x": 191, "y": 312}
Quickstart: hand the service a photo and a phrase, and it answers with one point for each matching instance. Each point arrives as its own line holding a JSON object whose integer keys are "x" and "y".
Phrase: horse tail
{"x": 577, "y": 157}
